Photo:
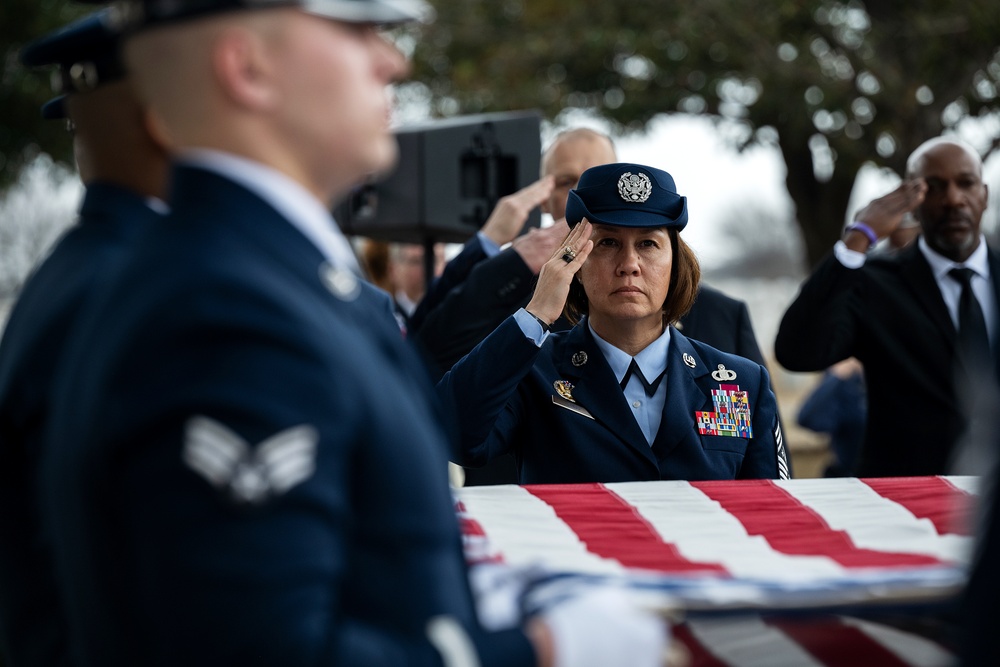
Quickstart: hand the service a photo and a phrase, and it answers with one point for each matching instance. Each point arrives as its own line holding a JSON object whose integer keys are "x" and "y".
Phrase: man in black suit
{"x": 124, "y": 171}
{"x": 900, "y": 315}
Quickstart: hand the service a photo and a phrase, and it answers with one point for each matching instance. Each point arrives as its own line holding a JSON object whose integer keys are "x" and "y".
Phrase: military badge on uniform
{"x": 635, "y": 188}
{"x": 723, "y": 374}
{"x": 689, "y": 360}
{"x": 732, "y": 413}
{"x": 341, "y": 282}
{"x": 250, "y": 476}
{"x": 579, "y": 358}
{"x": 564, "y": 389}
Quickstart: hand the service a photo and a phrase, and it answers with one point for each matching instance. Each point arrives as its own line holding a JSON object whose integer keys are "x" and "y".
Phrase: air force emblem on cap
{"x": 250, "y": 476}
{"x": 626, "y": 195}
{"x": 635, "y": 187}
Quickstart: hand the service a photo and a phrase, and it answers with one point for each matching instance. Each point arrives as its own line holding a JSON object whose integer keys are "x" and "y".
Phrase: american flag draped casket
{"x": 762, "y": 572}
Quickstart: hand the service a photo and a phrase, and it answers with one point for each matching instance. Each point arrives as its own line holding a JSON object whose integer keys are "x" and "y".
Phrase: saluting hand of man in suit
{"x": 885, "y": 214}
{"x": 511, "y": 212}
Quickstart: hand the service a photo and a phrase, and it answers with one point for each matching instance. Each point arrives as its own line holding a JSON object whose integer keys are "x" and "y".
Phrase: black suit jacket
{"x": 723, "y": 322}
{"x": 891, "y": 316}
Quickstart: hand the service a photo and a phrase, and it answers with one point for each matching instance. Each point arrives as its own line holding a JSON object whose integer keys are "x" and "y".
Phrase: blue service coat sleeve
{"x": 233, "y": 480}
{"x": 482, "y": 388}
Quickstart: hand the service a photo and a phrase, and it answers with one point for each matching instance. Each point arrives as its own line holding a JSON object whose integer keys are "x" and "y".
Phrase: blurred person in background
{"x": 837, "y": 407}
{"x": 124, "y": 171}
{"x": 408, "y": 274}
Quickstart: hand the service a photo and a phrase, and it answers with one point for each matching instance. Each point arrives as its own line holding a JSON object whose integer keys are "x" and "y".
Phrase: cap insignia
{"x": 635, "y": 188}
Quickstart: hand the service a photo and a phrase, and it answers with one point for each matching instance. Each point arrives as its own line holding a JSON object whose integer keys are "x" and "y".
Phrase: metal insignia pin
{"x": 679, "y": 325}
{"x": 84, "y": 76}
{"x": 341, "y": 282}
{"x": 689, "y": 360}
{"x": 564, "y": 389}
{"x": 634, "y": 188}
{"x": 579, "y": 358}
{"x": 723, "y": 374}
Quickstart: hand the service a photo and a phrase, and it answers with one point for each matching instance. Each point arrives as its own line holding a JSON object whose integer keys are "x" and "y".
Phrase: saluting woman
{"x": 623, "y": 395}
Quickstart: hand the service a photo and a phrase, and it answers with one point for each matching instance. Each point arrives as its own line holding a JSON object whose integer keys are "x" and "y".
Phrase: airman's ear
{"x": 156, "y": 129}
{"x": 242, "y": 68}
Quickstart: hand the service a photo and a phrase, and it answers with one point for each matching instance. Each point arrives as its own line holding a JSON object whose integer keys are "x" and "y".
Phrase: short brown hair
{"x": 685, "y": 275}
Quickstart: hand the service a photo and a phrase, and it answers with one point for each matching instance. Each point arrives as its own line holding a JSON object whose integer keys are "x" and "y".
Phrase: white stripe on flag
{"x": 703, "y": 531}
{"x": 526, "y": 530}
{"x": 874, "y": 522}
{"x": 912, "y": 649}
{"x": 970, "y": 484}
{"x": 749, "y": 642}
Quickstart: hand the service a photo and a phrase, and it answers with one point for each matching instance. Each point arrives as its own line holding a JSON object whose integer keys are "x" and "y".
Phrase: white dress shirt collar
{"x": 978, "y": 261}
{"x": 652, "y": 360}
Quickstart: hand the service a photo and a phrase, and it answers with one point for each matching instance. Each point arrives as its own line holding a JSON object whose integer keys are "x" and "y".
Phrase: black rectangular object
{"x": 449, "y": 176}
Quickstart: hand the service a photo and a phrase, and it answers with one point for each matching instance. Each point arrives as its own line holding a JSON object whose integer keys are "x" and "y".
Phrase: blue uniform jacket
{"x": 248, "y": 467}
{"x": 32, "y": 624}
{"x": 506, "y": 398}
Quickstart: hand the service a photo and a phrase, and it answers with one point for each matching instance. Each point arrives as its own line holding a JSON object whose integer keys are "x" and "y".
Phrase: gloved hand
{"x": 602, "y": 627}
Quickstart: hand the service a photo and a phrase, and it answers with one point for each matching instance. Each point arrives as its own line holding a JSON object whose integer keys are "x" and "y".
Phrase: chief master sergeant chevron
{"x": 245, "y": 465}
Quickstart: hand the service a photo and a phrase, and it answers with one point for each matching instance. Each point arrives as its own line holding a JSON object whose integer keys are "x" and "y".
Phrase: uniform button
{"x": 636, "y": 404}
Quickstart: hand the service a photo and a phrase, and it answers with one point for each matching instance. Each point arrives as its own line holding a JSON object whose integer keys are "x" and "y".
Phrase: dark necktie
{"x": 633, "y": 369}
{"x": 973, "y": 340}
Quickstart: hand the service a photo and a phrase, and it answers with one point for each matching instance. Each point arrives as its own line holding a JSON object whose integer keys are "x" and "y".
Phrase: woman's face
{"x": 627, "y": 275}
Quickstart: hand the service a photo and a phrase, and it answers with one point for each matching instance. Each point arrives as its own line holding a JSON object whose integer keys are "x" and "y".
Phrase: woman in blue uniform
{"x": 623, "y": 396}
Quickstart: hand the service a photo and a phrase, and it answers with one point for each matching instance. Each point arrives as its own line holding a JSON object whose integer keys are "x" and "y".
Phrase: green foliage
{"x": 23, "y": 132}
{"x": 834, "y": 84}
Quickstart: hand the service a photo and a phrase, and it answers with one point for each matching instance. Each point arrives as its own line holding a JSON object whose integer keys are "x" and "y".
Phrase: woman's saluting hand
{"x": 556, "y": 275}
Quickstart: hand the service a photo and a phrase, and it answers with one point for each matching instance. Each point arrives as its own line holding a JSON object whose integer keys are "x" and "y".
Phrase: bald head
{"x": 299, "y": 93}
{"x": 915, "y": 162}
{"x": 570, "y": 154}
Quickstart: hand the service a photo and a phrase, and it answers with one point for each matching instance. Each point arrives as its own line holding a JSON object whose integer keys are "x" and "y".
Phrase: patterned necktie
{"x": 633, "y": 369}
{"x": 973, "y": 340}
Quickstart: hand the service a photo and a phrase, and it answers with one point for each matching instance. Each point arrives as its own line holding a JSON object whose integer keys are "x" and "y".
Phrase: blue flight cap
{"x": 86, "y": 53}
{"x": 148, "y": 13}
{"x": 627, "y": 195}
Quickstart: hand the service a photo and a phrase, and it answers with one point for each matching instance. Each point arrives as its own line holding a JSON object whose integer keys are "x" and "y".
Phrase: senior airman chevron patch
{"x": 226, "y": 460}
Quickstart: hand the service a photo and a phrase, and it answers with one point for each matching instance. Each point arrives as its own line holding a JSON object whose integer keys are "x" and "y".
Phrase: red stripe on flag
{"x": 792, "y": 528}
{"x": 947, "y": 507}
{"x": 834, "y": 643}
{"x": 611, "y": 528}
{"x": 468, "y": 525}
